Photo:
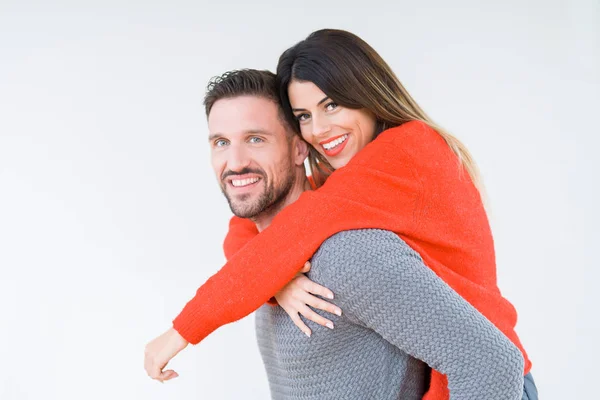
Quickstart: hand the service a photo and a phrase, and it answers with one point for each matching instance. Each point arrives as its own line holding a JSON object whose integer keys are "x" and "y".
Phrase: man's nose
{"x": 237, "y": 158}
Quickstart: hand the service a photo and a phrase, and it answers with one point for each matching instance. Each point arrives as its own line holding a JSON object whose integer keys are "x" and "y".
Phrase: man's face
{"x": 251, "y": 154}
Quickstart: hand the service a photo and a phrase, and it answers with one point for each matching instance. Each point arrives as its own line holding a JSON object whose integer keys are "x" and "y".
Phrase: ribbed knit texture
{"x": 407, "y": 181}
{"x": 397, "y": 315}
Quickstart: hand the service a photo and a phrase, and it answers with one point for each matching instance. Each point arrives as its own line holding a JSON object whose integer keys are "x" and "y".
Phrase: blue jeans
{"x": 529, "y": 389}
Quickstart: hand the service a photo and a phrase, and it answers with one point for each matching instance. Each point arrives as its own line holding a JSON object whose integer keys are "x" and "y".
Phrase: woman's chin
{"x": 338, "y": 162}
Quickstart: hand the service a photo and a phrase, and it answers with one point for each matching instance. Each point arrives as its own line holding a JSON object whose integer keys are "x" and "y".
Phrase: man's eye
{"x": 255, "y": 139}
{"x": 302, "y": 117}
{"x": 331, "y": 106}
{"x": 220, "y": 143}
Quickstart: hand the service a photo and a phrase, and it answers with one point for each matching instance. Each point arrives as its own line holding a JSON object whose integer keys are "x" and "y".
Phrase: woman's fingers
{"x": 297, "y": 298}
{"x": 298, "y": 322}
{"x": 309, "y": 314}
{"x": 321, "y": 304}
{"x": 169, "y": 374}
{"x": 306, "y": 267}
{"x": 314, "y": 288}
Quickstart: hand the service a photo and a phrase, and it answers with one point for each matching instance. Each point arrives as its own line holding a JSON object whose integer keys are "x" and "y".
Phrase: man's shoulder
{"x": 358, "y": 238}
{"x": 348, "y": 250}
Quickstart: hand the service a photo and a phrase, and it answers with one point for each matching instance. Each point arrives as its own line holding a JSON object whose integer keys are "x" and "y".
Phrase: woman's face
{"x": 338, "y": 133}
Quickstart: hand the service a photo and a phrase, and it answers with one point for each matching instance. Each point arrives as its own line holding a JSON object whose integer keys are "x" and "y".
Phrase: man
{"x": 398, "y": 316}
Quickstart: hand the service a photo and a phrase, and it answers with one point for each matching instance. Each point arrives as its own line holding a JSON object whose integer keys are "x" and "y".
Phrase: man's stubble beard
{"x": 268, "y": 201}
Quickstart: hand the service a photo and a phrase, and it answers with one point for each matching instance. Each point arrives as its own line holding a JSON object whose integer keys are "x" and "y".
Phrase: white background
{"x": 110, "y": 216}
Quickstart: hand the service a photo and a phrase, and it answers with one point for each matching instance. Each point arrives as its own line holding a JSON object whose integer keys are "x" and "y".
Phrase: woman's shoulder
{"x": 414, "y": 141}
{"x": 401, "y": 148}
{"x": 412, "y": 135}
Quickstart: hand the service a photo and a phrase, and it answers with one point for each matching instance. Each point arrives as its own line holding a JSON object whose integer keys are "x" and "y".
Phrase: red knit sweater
{"x": 407, "y": 181}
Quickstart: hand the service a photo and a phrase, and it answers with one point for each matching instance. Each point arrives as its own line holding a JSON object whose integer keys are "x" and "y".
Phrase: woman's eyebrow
{"x": 319, "y": 103}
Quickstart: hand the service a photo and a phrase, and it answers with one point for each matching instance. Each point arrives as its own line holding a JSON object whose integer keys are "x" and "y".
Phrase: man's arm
{"x": 384, "y": 285}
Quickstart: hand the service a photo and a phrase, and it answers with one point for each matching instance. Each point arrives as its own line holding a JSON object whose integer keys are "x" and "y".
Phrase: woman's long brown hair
{"x": 355, "y": 76}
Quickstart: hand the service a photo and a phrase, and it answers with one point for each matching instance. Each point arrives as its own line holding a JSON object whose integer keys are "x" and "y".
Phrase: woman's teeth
{"x": 336, "y": 142}
{"x": 243, "y": 182}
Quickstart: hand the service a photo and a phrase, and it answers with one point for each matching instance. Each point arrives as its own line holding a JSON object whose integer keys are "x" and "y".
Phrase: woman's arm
{"x": 377, "y": 189}
{"x": 241, "y": 232}
{"x": 383, "y": 284}
{"x": 299, "y": 295}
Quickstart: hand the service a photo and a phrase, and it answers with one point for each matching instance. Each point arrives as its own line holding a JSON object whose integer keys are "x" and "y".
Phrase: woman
{"x": 414, "y": 179}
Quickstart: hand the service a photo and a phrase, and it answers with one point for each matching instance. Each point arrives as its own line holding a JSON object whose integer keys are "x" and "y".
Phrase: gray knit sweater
{"x": 398, "y": 319}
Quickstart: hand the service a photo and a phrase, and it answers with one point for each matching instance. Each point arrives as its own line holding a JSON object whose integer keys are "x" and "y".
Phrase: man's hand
{"x": 160, "y": 351}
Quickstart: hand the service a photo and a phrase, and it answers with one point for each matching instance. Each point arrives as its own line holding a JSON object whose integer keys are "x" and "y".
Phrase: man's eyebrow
{"x": 258, "y": 132}
{"x": 214, "y": 136}
{"x": 324, "y": 99}
{"x": 218, "y": 135}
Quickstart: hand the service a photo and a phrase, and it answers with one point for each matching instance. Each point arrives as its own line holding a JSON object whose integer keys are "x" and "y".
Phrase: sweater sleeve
{"x": 241, "y": 231}
{"x": 383, "y": 284}
{"x": 377, "y": 189}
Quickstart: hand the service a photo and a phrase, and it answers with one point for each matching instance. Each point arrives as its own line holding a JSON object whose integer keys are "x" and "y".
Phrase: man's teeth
{"x": 243, "y": 182}
{"x": 336, "y": 142}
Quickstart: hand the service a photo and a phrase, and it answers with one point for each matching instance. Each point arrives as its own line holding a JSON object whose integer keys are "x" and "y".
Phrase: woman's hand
{"x": 296, "y": 297}
{"x": 160, "y": 351}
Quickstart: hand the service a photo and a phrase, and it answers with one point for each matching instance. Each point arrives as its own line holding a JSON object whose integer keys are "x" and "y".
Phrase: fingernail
{"x": 329, "y": 325}
{"x": 330, "y": 296}
{"x": 338, "y": 312}
{"x": 307, "y": 333}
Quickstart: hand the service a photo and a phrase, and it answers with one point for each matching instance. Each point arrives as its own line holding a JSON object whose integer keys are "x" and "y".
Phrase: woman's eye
{"x": 255, "y": 139}
{"x": 331, "y": 106}
{"x": 302, "y": 117}
{"x": 220, "y": 143}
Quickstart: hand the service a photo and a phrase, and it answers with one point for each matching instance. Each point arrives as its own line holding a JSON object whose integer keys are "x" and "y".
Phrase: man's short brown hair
{"x": 244, "y": 82}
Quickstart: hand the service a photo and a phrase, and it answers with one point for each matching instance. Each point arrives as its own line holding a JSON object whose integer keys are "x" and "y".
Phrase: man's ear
{"x": 300, "y": 150}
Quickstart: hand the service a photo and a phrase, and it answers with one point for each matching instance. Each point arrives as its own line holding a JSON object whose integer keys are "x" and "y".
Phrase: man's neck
{"x": 263, "y": 220}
